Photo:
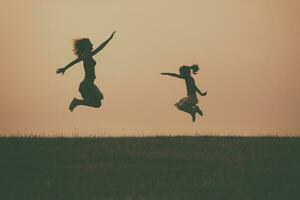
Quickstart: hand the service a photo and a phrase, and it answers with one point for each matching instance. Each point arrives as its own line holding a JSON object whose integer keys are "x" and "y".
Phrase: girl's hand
{"x": 61, "y": 70}
{"x": 204, "y": 93}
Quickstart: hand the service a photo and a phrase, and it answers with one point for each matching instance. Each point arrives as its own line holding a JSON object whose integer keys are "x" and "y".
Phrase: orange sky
{"x": 248, "y": 52}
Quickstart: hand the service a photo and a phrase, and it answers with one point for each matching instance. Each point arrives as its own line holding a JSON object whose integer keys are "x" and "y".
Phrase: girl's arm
{"x": 201, "y": 93}
{"x": 172, "y": 74}
{"x": 101, "y": 46}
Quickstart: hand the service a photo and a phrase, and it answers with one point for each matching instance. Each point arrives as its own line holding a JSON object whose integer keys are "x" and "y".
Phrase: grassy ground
{"x": 150, "y": 168}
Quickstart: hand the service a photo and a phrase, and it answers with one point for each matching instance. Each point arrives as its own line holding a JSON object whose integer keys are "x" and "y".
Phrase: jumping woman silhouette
{"x": 188, "y": 104}
{"x": 90, "y": 93}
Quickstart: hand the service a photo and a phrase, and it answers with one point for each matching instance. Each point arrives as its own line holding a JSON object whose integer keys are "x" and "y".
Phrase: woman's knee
{"x": 97, "y": 103}
{"x": 101, "y": 96}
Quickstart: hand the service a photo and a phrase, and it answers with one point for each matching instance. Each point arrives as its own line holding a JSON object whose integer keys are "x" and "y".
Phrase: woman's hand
{"x": 61, "y": 70}
{"x": 112, "y": 35}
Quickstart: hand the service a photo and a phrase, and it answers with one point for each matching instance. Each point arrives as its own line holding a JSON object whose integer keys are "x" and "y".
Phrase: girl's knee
{"x": 183, "y": 106}
{"x": 179, "y": 105}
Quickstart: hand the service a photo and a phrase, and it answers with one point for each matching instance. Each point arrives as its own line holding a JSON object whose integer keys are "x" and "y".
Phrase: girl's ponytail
{"x": 195, "y": 68}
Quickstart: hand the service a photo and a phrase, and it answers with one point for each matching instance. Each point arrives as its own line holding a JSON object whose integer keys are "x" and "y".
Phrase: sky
{"x": 247, "y": 50}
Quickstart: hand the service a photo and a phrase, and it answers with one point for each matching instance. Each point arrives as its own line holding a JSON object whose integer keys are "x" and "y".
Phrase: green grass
{"x": 150, "y": 168}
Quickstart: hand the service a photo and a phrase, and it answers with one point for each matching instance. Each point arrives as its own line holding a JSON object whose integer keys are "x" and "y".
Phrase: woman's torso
{"x": 89, "y": 68}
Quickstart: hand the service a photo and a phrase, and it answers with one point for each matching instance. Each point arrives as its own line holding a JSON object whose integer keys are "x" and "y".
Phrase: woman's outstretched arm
{"x": 63, "y": 69}
{"x": 101, "y": 46}
{"x": 172, "y": 74}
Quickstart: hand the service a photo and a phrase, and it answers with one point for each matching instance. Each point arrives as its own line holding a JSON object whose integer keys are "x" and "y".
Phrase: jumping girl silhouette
{"x": 90, "y": 93}
{"x": 188, "y": 104}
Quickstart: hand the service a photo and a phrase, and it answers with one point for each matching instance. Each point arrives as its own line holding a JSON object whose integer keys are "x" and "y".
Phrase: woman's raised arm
{"x": 101, "y": 46}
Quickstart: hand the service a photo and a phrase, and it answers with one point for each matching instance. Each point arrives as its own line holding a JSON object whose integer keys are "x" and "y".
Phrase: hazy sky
{"x": 248, "y": 52}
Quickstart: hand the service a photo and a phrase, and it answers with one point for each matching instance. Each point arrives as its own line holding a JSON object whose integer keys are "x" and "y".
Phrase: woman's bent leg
{"x": 84, "y": 102}
{"x": 73, "y": 104}
{"x": 91, "y": 95}
{"x": 89, "y": 102}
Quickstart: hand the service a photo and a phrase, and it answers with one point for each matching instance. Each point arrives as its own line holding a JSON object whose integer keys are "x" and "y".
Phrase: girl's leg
{"x": 188, "y": 109}
{"x": 198, "y": 110}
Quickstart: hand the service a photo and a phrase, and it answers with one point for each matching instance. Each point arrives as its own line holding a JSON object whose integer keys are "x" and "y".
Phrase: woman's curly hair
{"x": 81, "y": 45}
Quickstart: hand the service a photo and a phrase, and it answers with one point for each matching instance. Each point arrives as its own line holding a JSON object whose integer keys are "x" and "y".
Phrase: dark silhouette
{"x": 188, "y": 104}
{"x": 90, "y": 93}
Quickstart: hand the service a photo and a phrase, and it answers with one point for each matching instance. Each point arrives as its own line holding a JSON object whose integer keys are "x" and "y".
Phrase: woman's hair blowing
{"x": 81, "y": 45}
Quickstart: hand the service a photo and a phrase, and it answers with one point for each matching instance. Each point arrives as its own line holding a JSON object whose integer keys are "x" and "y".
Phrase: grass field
{"x": 234, "y": 168}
